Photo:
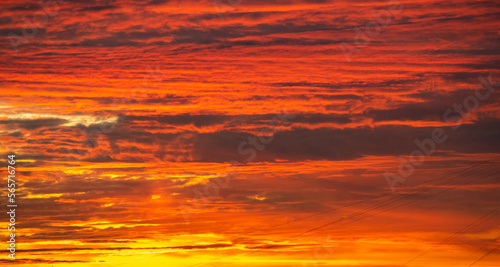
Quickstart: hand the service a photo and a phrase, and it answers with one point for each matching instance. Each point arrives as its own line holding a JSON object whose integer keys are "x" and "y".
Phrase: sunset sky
{"x": 251, "y": 133}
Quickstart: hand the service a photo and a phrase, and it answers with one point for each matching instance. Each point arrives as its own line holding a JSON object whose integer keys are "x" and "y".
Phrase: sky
{"x": 251, "y": 133}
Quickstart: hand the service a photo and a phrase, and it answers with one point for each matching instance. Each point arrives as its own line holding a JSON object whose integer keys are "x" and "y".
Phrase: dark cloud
{"x": 105, "y": 42}
{"x": 98, "y": 8}
{"x": 347, "y": 144}
{"x": 16, "y": 134}
{"x": 18, "y": 32}
{"x": 35, "y": 123}
{"x": 25, "y": 7}
{"x": 436, "y": 103}
{"x": 5, "y": 20}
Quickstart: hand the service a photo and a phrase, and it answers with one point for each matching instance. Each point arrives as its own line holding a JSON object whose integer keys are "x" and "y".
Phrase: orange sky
{"x": 132, "y": 124}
